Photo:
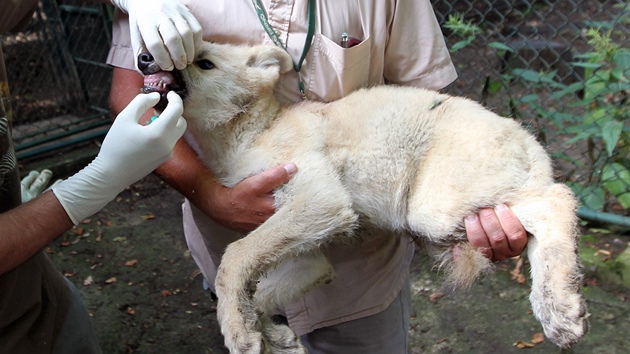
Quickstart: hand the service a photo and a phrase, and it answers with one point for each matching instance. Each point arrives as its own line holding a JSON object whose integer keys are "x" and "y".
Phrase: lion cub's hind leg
{"x": 549, "y": 214}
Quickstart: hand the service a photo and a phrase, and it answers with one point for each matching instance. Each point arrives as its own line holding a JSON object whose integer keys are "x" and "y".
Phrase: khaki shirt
{"x": 401, "y": 43}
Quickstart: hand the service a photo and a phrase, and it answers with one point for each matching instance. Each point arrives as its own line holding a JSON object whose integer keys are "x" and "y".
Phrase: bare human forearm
{"x": 29, "y": 228}
{"x": 184, "y": 171}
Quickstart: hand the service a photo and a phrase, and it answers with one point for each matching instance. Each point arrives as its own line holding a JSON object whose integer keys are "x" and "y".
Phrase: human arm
{"x": 29, "y": 228}
{"x": 129, "y": 152}
{"x": 241, "y": 208}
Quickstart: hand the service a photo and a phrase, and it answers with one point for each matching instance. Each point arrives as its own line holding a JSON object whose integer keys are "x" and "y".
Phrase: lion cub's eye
{"x": 205, "y": 64}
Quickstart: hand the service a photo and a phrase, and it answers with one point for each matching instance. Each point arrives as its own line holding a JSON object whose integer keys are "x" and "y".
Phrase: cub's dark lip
{"x": 157, "y": 80}
{"x": 163, "y": 82}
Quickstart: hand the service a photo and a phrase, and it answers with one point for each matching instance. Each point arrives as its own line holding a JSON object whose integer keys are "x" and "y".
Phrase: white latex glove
{"x": 35, "y": 183}
{"x": 129, "y": 152}
{"x": 166, "y": 28}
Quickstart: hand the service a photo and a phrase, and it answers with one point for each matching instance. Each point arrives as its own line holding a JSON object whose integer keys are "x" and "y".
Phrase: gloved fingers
{"x": 170, "y": 120}
{"x": 191, "y": 33}
{"x": 137, "y": 43}
{"x": 34, "y": 183}
{"x": 172, "y": 34}
{"x": 41, "y": 181}
{"x": 161, "y": 40}
{"x": 29, "y": 179}
{"x": 136, "y": 108}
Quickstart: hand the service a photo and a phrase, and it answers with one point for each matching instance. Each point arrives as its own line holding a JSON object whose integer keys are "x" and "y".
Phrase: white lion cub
{"x": 410, "y": 161}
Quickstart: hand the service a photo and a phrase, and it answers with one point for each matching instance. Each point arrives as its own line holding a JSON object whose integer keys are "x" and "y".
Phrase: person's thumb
{"x": 275, "y": 177}
{"x": 170, "y": 121}
{"x": 140, "y": 104}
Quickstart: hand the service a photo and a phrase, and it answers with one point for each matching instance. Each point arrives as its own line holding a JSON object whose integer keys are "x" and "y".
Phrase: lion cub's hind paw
{"x": 566, "y": 328}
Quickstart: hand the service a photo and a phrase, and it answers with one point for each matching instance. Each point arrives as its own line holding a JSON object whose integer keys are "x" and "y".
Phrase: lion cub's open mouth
{"x": 156, "y": 80}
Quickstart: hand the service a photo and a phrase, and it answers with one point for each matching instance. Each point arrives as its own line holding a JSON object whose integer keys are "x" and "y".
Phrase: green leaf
{"x": 619, "y": 74}
{"x": 616, "y": 179}
{"x": 570, "y": 89}
{"x": 528, "y": 75}
{"x": 621, "y": 59}
{"x": 593, "y": 198}
{"x": 611, "y": 132}
{"x": 582, "y": 132}
{"x": 586, "y": 65}
{"x": 500, "y": 46}
{"x": 494, "y": 87}
{"x": 598, "y": 115}
{"x": 459, "y": 45}
{"x": 529, "y": 98}
{"x": 560, "y": 117}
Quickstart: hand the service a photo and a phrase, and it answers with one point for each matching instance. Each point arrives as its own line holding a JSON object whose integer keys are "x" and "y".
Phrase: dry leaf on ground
{"x": 435, "y": 297}
{"x": 522, "y": 345}
{"x": 538, "y": 338}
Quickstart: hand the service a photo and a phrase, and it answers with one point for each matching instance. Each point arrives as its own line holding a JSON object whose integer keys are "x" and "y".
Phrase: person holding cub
{"x": 366, "y": 309}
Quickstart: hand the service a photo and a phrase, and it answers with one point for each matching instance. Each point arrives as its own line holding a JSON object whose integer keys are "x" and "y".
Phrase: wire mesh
{"x": 563, "y": 69}
{"x": 560, "y": 67}
{"x": 58, "y": 81}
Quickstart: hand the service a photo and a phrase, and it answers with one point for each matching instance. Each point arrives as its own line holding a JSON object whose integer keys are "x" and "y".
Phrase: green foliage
{"x": 600, "y": 123}
{"x": 467, "y": 30}
{"x": 594, "y": 112}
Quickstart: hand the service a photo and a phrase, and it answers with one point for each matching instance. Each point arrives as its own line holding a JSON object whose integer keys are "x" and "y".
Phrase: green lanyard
{"x": 274, "y": 36}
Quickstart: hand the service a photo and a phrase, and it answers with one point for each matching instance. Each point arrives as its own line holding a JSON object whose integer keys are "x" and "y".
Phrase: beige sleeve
{"x": 120, "y": 53}
{"x": 416, "y": 52}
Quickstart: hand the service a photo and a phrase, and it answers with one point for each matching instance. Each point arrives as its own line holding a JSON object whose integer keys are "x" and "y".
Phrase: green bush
{"x": 593, "y": 112}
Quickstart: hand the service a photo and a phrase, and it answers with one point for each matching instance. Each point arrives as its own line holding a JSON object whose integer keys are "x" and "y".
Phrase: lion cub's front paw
{"x": 249, "y": 343}
{"x": 279, "y": 338}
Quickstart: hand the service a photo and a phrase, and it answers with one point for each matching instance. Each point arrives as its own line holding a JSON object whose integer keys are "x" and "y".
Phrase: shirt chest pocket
{"x": 335, "y": 71}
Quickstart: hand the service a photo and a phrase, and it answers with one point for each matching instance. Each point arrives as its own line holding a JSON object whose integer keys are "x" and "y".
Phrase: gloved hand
{"x": 35, "y": 183}
{"x": 129, "y": 152}
{"x": 166, "y": 28}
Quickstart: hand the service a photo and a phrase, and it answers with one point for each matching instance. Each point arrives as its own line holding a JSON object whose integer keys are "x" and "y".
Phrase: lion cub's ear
{"x": 271, "y": 57}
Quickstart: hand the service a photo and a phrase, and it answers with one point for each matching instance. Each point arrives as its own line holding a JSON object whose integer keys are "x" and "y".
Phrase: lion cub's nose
{"x": 146, "y": 64}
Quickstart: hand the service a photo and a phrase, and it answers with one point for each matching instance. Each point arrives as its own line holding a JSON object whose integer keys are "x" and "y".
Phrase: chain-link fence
{"x": 561, "y": 67}
{"x": 58, "y": 79}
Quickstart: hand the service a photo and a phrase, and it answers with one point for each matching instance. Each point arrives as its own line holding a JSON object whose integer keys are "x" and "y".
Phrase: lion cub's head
{"x": 222, "y": 81}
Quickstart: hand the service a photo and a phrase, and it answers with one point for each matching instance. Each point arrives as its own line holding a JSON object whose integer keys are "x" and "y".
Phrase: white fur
{"x": 407, "y": 160}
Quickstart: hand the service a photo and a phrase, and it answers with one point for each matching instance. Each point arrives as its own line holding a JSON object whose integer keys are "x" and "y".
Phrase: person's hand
{"x": 35, "y": 183}
{"x": 166, "y": 28}
{"x": 249, "y": 203}
{"x": 497, "y": 233}
{"x": 129, "y": 152}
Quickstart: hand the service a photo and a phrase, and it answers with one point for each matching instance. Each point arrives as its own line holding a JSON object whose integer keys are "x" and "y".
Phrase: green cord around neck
{"x": 262, "y": 16}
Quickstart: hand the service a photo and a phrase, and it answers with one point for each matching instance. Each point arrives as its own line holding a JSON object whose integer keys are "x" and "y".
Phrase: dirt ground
{"x": 131, "y": 265}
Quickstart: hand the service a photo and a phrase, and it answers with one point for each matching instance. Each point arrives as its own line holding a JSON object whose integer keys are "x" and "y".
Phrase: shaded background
{"x": 560, "y": 67}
